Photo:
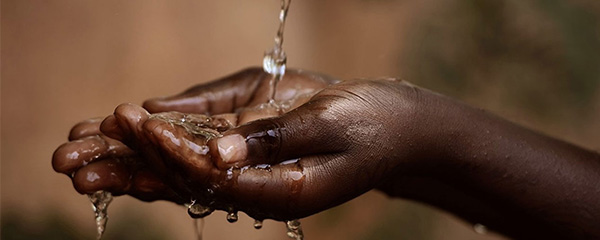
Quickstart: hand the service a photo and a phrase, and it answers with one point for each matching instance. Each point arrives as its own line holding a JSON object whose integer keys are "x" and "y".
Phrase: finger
{"x": 126, "y": 123}
{"x": 75, "y": 154}
{"x": 296, "y": 189}
{"x": 146, "y": 186}
{"x": 166, "y": 146}
{"x": 110, "y": 127}
{"x": 120, "y": 178}
{"x": 109, "y": 175}
{"x": 221, "y": 96}
{"x": 86, "y": 128}
{"x": 182, "y": 149}
{"x": 310, "y": 129}
{"x": 262, "y": 111}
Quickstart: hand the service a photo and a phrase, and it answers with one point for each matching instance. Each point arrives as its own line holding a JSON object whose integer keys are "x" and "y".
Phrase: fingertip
{"x": 70, "y": 156}
{"x": 154, "y": 105}
{"x": 59, "y": 163}
{"x": 108, "y": 175}
{"x": 130, "y": 110}
{"x": 110, "y": 127}
{"x": 85, "y": 128}
{"x": 129, "y": 116}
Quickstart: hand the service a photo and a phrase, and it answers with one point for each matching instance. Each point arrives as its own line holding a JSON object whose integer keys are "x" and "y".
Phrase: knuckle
{"x": 266, "y": 141}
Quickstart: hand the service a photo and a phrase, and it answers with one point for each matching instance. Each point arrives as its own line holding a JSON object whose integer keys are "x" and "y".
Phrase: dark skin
{"x": 347, "y": 138}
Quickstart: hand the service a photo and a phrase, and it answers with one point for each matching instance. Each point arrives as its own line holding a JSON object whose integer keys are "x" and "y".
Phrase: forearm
{"x": 515, "y": 172}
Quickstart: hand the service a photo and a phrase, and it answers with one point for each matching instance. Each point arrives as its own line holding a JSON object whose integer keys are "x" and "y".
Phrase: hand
{"x": 341, "y": 143}
{"x": 97, "y": 162}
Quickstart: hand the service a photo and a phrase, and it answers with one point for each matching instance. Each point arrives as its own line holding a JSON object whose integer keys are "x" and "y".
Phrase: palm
{"x": 123, "y": 171}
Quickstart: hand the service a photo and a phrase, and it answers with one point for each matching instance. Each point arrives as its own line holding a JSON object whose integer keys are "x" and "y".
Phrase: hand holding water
{"x": 117, "y": 168}
{"x": 322, "y": 149}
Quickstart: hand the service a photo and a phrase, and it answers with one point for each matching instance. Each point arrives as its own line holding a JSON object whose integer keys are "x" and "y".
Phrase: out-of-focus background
{"x": 536, "y": 63}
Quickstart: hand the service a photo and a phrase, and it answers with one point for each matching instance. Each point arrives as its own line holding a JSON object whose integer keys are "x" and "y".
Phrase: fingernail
{"x": 232, "y": 148}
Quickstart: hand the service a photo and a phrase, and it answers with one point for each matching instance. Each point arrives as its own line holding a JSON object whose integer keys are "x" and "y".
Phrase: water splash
{"x": 100, "y": 201}
{"x": 294, "y": 229}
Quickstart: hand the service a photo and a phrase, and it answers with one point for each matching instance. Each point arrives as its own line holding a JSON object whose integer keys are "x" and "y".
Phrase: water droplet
{"x": 290, "y": 161}
{"x": 243, "y": 169}
{"x": 294, "y": 229}
{"x": 230, "y": 173}
{"x": 196, "y": 210}
{"x": 258, "y": 224}
{"x": 232, "y": 217}
{"x": 100, "y": 201}
{"x": 480, "y": 228}
{"x": 266, "y": 167}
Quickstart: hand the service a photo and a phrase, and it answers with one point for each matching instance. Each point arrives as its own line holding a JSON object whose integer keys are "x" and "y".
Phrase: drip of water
{"x": 100, "y": 201}
{"x": 199, "y": 227}
{"x": 274, "y": 61}
{"x": 232, "y": 216}
{"x": 480, "y": 228}
{"x": 258, "y": 224}
{"x": 196, "y": 210}
{"x": 294, "y": 230}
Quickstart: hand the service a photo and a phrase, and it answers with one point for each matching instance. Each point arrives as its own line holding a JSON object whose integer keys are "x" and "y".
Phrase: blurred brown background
{"x": 534, "y": 62}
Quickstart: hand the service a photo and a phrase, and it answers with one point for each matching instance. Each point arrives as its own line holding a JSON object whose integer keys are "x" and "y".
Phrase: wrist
{"x": 432, "y": 130}
{"x": 437, "y": 135}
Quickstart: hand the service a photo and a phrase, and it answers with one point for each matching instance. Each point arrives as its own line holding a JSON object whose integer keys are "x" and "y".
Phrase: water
{"x": 199, "y": 227}
{"x": 197, "y": 124}
{"x": 100, "y": 201}
{"x": 480, "y": 228}
{"x": 197, "y": 210}
{"x": 258, "y": 224}
{"x": 294, "y": 229}
{"x": 232, "y": 216}
{"x": 274, "y": 61}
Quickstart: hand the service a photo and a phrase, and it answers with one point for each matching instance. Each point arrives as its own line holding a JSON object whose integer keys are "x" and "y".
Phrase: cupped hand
{"x": 345, "y": 140}
{"x": 95, "y": 161}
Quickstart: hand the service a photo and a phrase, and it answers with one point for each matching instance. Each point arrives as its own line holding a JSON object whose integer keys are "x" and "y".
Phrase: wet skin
{"x": 350, "y": 137}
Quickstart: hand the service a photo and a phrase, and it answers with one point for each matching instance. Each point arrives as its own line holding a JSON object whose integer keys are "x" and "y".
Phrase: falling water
{"x": 274, "y": 61}
{"x": 100, "y": 201}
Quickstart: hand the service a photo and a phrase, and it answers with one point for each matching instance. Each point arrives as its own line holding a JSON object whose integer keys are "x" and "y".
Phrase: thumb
{"x": 301, "y": 132}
